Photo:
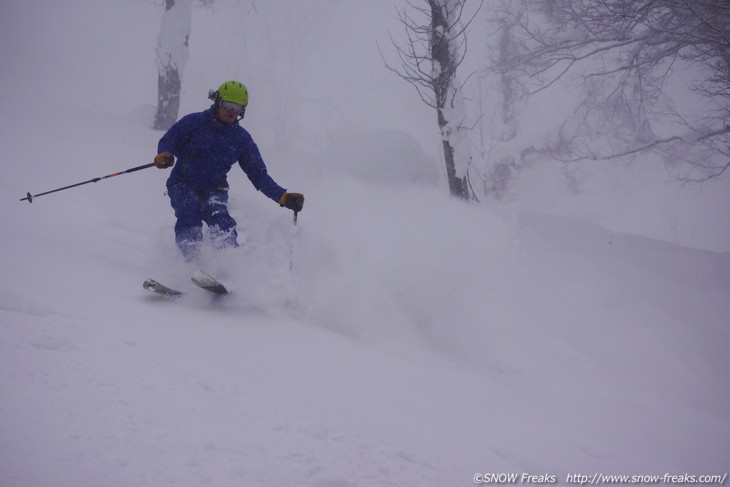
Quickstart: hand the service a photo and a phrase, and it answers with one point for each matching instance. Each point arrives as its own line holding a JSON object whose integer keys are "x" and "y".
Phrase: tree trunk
{"x": 445, "y": 64}
{"x": 168, "y": 98}
{"x": 457, "y": 186}
{"x": 172, "y": 53}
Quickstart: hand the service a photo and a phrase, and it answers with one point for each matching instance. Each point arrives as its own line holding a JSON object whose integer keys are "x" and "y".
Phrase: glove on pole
{"x": 292, "y": 201}
{"x": 30, "y": 197}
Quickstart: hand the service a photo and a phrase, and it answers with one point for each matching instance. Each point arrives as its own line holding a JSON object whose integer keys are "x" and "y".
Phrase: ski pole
{"x": 30, "y": 197}
{"x": 291, "y": 247}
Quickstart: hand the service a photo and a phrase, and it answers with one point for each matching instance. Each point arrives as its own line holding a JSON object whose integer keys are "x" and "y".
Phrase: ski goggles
{"x": 229, "y": 105}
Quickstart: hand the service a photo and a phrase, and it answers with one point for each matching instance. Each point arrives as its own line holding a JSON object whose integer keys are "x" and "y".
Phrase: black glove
{"x": 163, "y": 160}
{"x": 293, "y": 201}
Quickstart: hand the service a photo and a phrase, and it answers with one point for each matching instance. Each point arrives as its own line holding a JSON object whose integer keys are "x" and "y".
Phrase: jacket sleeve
{"x": 253, "y": 165}
{"x": 177, "y": 135}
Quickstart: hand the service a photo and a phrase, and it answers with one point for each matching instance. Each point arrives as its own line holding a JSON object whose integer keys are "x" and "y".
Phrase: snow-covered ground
{"x": 393, "y": 337}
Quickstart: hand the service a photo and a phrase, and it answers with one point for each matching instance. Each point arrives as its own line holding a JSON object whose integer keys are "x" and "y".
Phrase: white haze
{"x": 393, "y": 337}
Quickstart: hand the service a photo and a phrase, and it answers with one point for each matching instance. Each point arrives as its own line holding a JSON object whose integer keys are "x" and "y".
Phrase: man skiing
{"x": 206, "y": 145}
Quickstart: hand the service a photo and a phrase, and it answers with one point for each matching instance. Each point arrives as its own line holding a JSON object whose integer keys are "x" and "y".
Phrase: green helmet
{"x": 233, "y": 91}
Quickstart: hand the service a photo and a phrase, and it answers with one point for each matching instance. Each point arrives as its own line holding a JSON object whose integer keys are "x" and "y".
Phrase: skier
{"x": 206, "y": 145}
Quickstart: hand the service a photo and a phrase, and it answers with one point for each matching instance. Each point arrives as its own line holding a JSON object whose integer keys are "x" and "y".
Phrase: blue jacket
{"x": 206, "y": 148}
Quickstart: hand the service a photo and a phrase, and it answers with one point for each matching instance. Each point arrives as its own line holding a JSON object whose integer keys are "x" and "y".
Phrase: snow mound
{"x": 380, "y": 156}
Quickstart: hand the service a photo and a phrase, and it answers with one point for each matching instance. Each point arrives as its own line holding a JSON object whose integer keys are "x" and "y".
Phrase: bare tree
{"x": 626, "y": 54}
{"x": 435, "y": 49}
{"x": 500, "y": 169}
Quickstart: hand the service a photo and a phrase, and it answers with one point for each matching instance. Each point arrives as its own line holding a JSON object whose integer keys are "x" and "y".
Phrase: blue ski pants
{"x": 193, "y": 206}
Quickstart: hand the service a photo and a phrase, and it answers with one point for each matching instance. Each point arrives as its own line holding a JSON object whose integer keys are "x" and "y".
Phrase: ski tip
{"x": 208, "y": 282}
{"x": 160, "y": 289}
{"x": 202, "y": 275}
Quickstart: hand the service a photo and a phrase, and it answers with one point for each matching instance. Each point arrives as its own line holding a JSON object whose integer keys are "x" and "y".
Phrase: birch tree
{"x": 435, "y": 48}
{"x": 171, "y": 55}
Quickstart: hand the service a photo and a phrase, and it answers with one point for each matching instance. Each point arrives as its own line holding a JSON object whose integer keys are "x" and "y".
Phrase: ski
{"x": 160, "y": 289}
{"x": 209, "y": 283}
{"x": 199, "y": 278}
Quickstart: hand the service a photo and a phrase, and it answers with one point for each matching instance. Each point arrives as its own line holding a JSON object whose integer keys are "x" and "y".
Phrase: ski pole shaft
{"x": 291, "y": 247}
{"x": 30, "y": 197}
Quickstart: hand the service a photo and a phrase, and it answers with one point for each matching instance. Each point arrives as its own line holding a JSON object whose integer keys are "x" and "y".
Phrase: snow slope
{"x": 393, "y": 337}
{"x": 416, "y": 341}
